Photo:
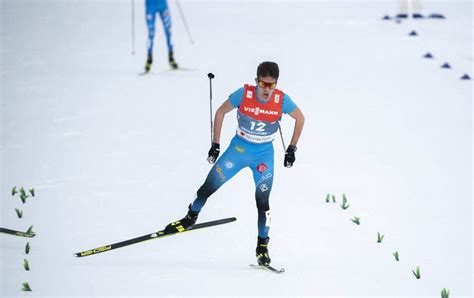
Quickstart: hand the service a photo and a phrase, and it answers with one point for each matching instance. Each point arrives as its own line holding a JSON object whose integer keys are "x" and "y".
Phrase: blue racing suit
{"x": 251, "y": 147}
{"x": 151, "y": 8}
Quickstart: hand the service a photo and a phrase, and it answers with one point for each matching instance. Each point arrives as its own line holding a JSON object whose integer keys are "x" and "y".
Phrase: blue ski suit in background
{"x": 252, "y": 147}
{"x": 152, "y": 7}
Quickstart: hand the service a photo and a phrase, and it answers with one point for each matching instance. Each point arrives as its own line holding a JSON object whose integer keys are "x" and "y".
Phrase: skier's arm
{"x": 290, "y": 151}
{"x": 299, "y": 123}
{"x": 225, "y": 108}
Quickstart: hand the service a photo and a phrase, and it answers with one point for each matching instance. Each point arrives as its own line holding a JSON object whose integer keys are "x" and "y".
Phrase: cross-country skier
{"x": 260, "y": 109}
{"x": 152, "y": 7}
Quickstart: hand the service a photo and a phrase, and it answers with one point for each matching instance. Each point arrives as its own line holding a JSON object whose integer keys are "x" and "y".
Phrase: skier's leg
{"x": 225, "y": 168}
{"x": 166, "y": 21}
{"x": 263, "y": 178}
{"x": 150, "y": 23}
{"x": 229, "y": 164}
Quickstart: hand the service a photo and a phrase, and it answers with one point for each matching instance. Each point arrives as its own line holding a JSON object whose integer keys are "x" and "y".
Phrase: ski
{"x": 268, "y": 268}
{"x": 151, "y": 236}
{"x": 17, "y": 233}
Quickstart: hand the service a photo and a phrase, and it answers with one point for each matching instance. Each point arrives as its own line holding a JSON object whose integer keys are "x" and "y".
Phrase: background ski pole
{"x": 211, "y": 76}
{"x": 132, "y": 2}
{"x": 184, "y": 21}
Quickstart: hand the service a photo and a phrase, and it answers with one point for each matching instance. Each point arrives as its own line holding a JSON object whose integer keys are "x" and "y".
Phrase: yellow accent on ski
{"x": 95, "y": 250}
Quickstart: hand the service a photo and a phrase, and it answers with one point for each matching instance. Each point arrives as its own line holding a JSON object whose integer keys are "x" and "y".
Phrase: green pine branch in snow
{"x": 417, "y": 273}
{"x": 444, "y": 293}
{"x": 379, "y": 237}
{"x": 356, "y": 220}
{"x": 23, "y": 195}
{"x": 23, "y": 198}
{"x": 26, "y": 287}
{"x": 26, "y": 265}
{"x": 30, "y": 230}
{"x": 19, "y": 213}
{"x": 397, "y": 256}
{"x": 344, "y": 204}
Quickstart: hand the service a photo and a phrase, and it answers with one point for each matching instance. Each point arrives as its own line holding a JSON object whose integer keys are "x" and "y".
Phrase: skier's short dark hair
{"x": 268, "y": 69}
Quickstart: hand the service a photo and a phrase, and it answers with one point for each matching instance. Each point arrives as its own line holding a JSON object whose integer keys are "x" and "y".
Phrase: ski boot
{"x": 263, "y": 258}
{"x": 149, "y": 62}
{"x": 171, "y": 60}
{"x": 183, "y": 224}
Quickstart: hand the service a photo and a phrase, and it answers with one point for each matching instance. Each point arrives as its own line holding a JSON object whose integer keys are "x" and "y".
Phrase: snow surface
{"x": 113, "y": 155}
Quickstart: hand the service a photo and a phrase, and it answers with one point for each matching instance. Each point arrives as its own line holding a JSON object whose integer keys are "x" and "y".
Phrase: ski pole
{"x": 184, "y": 21}
{"x": 281, "y": 135}
{"x": 211, "y": 76}
{"x": 133, "y": 26}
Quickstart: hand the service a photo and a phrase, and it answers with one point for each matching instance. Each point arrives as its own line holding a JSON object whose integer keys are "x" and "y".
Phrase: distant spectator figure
{"x": 151, "y": 8}
{"x": 409, "y": 9}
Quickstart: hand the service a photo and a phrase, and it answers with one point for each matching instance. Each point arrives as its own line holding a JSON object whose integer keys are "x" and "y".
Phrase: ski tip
{"x": 269, "y": 268}
{"x": 230, "y": 219}
{"x": 226, "y": 220}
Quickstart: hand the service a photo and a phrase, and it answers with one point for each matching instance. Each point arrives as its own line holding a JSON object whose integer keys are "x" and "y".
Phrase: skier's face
{"x": 265, "y": 87}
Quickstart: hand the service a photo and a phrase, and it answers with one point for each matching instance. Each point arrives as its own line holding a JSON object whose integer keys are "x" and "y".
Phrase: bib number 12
{"x": 260, "y": 126}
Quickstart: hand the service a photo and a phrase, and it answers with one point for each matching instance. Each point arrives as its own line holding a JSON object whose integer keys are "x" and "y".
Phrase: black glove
{"x": 290, "y": 156}
{"x": 213, "y": 153}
